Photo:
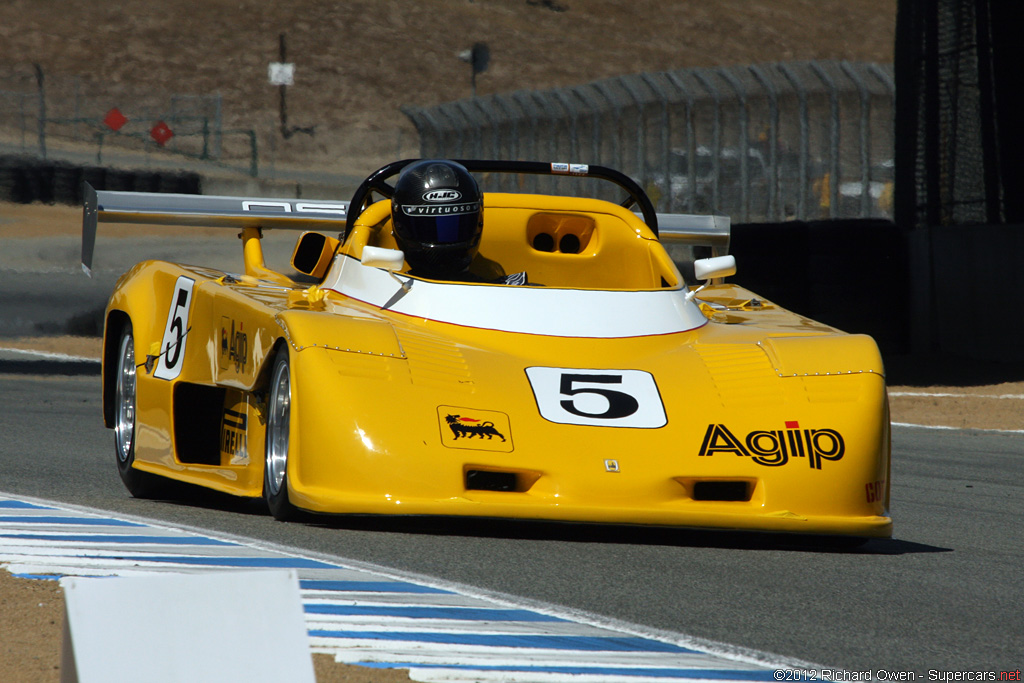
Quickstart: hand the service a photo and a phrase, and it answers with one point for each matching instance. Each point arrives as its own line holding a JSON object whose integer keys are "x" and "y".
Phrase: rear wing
{"x": 201, "y": 210}
{"x": 300, "y": 214}
{"x": 696, "y": 231}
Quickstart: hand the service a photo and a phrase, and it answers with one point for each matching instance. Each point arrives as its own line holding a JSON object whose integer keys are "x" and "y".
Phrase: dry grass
{"x": 358, "y": 61}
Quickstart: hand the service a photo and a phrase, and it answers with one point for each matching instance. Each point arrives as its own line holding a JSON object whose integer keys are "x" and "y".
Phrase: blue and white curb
{"x": 373, "y": 617}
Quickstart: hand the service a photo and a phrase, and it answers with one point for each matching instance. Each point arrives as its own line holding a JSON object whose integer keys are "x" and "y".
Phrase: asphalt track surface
{"x": 945, "y": 595}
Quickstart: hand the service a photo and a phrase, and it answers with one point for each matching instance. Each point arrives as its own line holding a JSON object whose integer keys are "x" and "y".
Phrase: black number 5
{"x": 620, "y": 404}
{"x": 176, "y": 327}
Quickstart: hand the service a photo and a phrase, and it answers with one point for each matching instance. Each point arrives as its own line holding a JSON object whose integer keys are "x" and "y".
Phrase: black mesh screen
{"x": 957, "y": 142}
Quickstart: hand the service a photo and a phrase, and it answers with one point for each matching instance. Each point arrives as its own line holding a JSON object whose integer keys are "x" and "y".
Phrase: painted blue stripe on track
{"x": 368, "y": 587}
{"x": 109, "y": 538}
{"x": 419, "y": 612}
{"x": 40, "y": 577}
{"x": 276, "y": 562}
{"x": 467, "y": 634}
{"x": 22, "y": 505}
{"x": 712, "y": 674}
{"x": 579, "y": 643}
{"x": 82, "y": 521}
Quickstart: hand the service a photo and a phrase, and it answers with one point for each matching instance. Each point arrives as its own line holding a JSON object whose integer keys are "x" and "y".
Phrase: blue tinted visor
{"x": 441, "y": 223}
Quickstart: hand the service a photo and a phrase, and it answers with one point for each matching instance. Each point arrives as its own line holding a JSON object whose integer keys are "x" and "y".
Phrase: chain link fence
{"x": 40, "y": 113}
{"x": 762, "y": 143}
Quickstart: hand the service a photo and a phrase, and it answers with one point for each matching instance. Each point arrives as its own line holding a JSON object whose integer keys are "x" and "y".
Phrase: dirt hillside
{"x": 358, "y": 61}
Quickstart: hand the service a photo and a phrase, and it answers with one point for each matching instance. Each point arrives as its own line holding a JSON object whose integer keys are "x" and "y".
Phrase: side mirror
{"x": 313, "y": 254}
{"x": 708, "y": 269}
{"x": 377, "y": 257}
{"x": 711, "y": 268}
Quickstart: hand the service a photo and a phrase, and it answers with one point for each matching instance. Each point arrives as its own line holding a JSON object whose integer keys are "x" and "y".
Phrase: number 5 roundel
{"x": 599, "y": 398}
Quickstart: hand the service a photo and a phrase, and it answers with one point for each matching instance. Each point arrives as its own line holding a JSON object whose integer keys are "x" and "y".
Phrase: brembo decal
{"x": 172, "y": 347}
{"x": 773, "y": 448}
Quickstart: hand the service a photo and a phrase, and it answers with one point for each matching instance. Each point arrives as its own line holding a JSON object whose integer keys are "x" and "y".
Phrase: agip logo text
{"x": 774, "y": 448}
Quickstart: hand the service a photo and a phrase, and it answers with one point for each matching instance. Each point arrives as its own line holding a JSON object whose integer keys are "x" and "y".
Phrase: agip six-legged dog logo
{"x": 468, "y": 427}
{"x": 474, "y": 429}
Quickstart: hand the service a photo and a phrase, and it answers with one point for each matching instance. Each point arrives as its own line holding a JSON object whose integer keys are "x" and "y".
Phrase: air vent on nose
{"x": 722, "y": 490}
{"x": 486, "y": 480}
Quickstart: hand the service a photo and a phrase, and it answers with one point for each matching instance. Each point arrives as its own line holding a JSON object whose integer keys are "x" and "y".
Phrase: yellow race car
{"x": 561, "y": 368}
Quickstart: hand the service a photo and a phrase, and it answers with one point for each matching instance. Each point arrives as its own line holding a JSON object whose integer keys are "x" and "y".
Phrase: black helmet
{"x": 437, "y": 216}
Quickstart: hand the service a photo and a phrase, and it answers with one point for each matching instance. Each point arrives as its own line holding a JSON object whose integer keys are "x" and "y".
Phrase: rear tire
{"x": 139, "y": 484}
{"x": 275, "y": 470}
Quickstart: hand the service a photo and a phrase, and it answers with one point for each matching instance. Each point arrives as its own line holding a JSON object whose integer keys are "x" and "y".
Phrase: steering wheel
{"x": 375, "y": 182}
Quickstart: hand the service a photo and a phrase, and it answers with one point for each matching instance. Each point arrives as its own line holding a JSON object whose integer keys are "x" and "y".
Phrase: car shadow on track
{"x": 186, "y": 495}
{"x": 621, "y": 534}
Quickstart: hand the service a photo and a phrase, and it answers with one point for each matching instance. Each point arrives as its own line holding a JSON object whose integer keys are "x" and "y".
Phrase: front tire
{"x": 139, "y": 484}
{"x": 275, "y": 470}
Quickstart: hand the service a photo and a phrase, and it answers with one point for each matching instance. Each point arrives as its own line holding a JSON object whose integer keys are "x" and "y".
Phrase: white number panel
{"x": 172, "y": 348}
{"x": 599, "y": 398}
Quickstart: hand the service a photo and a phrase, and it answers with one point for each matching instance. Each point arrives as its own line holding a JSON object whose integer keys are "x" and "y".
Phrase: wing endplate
{"x": 696, "y": 230}
{"x": 201, "y": 210}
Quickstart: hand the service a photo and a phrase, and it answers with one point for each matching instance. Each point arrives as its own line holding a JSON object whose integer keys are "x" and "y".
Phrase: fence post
{"x": 218, "y": 108}
{"x": 473, "y": 123}
{"x": 865, "y": 137}
{"x": 605, "y": 92}
{"x": 42, "y": 110}
{"x": 453, "y": 126}
{"x": 574, "y": 153}
{"x": 485, "y": 108}
{"x": 492, "y": 121}
{"x": 552, "y": 117}
{"x": 691, "y": 141}
{"x": 775, "y": 191}
{"x": 448, "y": 124}
{"x": 24, "y": 120}
{"x": 77, "y": 109}
{"x": 513, "y": 120}
{"x": 884, "y": 78}
{"x": 173, "y": 121}
{"x": 890, "y": 88}
{"x": 716, "y": 134}
{"x": 587, "y": 98}
{"x": 641, "y": 128}
{"x": 744, "y": 146}
{"x": 254, "y": 163}
{"x": 805, "y": 142}
{"x": 206, "y": 139}
{"x": 666, "y": 136}
{"x": 833, "y": 99}
{"x": 436, "y": 126}
{"x": 522, "y": 97}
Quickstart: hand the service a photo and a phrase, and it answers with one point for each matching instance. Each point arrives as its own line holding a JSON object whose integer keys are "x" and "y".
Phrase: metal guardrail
{"x": 771, "y": 142}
